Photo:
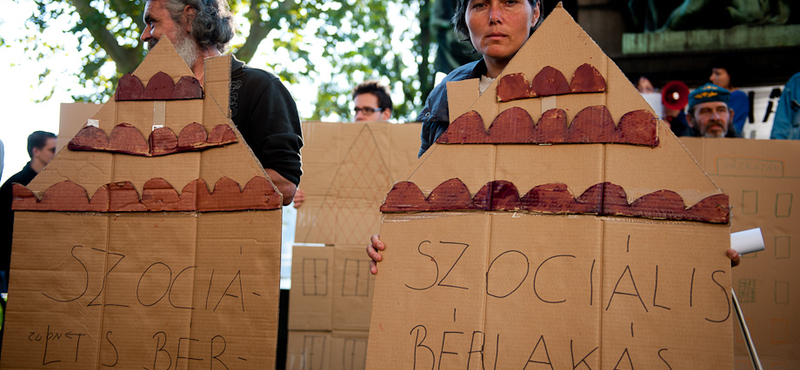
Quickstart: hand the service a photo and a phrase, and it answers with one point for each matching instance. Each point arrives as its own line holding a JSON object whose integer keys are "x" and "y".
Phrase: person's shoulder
{"x": 21, "y": 177}
{"x": 259, "y": 74}
{"x": 244, "y": 71}
{"x": 462, "y": 73}
{"x": 794, "y": 81}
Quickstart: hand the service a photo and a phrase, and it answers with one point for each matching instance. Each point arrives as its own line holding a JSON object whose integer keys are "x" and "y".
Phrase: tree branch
{"x": 259, "y": 29}
{"x": 94, "y": 21}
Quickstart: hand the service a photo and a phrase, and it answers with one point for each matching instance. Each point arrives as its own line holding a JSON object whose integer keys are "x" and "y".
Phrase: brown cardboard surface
{"x": 72, "y": 117}
{"x": 316, "y": 350}
{"x": 462, "y": 288}
{"x": 353, "y": 287}
{"x": 541, "y": 285}
{"x": 312, "y": 295}
{"x": 348, "y": 168}
{"x": 349, "y": 350}
{"x": 331, "y": 289}
{"x": 190, "y": 289}
{"x": 173, "y": 276}
{"x": 762, "y": 177}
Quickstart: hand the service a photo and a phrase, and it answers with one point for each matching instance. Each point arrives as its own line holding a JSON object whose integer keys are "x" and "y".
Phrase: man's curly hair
{"x": 212, "y": 24}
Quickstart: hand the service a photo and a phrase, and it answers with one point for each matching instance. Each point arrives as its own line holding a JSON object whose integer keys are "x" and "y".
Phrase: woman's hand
{"x": 375, "y": 245}
{"x": 732, "y": 254}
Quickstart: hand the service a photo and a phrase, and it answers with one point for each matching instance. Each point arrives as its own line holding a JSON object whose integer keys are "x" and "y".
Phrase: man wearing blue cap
{"x": 709, "y": 114}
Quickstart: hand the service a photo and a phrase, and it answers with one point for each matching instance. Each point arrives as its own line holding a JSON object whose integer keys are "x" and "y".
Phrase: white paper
{"x": 748, "y": 241}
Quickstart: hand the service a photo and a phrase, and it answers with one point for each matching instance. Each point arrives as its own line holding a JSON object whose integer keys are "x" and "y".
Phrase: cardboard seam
{"x": 105, "y": 290}
{"x": 600, "y": 293}
{"x": 421, "y": 161}
{"x": 194, "y": 281}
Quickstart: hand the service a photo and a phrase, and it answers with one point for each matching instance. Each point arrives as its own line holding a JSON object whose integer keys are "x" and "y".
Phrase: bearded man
{"x": 261, "y": 107}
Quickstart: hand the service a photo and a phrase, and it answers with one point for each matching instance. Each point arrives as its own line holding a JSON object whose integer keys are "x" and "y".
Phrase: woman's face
{"x": 498, "y": 28}
{"x": 720, "y": 77}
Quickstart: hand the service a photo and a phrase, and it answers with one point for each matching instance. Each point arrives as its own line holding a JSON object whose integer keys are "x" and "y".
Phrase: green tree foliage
{"x": 353, "y": 38}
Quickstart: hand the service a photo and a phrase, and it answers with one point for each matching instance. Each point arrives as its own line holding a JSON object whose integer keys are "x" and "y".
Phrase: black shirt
{"x": 266, "y": 115}
{"x": 23, "y": 177}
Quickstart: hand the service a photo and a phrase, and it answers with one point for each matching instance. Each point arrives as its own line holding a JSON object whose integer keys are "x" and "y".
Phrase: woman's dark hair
{"x": 734, "y": 64}
{"x": 460, "y": 22}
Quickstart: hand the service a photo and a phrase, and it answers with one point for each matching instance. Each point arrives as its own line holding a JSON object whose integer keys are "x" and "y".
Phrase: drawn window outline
{"x": 320, "y": 288}
{"x": 745, "y": 209}
{"x": 355, "y": 347}
{"x": 308, "y": 358}
{"x": 359, "y": 282}
{"x": 787, "y": 212}
{"x": 781, "y": 245}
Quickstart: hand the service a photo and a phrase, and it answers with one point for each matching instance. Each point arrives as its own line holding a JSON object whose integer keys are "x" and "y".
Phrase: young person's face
{"x": 367, "y": 108}
{"x": 720, "y": 77}
{"x": 46, "y": 153}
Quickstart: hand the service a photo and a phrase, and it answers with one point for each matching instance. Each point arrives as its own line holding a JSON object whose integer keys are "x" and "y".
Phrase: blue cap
{"x": 708, "y": 93}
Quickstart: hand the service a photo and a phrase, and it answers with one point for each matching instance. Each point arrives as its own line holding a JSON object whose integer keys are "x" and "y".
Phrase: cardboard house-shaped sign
{"x": 153, "y": 240}
{"x": 557, "y": 224}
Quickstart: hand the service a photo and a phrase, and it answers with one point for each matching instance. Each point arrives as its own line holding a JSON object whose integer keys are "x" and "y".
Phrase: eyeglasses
{"x": 367, "y": 110}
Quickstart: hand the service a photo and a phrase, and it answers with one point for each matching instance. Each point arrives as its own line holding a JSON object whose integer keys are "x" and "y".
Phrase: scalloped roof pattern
{"x": 160, "y": 87}
{"x": 603, "y": 199}
{"x": 127, "y": 139}
{"x": 157, "y": 196}
{"x": 548, "y": 82}
{"x": 591, "y": 125}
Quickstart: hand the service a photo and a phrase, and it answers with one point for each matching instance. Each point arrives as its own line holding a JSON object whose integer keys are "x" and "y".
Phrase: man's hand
{"x": 299, "y": 198}
{"x": 734, "y": 256}
{"x": 286, "y": 187}
{"x": 375, "y": 245}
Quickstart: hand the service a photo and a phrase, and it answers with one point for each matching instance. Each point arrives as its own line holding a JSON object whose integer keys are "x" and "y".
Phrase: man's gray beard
{"x": 185, "y": 46}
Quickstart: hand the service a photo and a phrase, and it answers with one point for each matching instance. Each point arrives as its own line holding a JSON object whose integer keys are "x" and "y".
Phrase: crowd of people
{"x": 724, "y": 80}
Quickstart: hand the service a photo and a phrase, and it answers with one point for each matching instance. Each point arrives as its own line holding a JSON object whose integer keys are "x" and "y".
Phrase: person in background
{"x": 41, "y": 149}
{"x": 787, "y": 117}
{"x": 372, "y": 102}
{"x": 645, "y": 85}
{"x": 709, "y": 114}
{"x": 726, "y": 72}
{"x": 2, "y": 157}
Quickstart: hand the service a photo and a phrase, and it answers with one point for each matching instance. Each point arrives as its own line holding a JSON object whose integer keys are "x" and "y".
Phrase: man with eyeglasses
{"x": 41, "y": 149}
{"x": 372, "y": 102}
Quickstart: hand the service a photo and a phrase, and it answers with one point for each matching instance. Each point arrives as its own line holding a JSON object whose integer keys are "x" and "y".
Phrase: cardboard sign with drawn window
{"x": 348, "y": 168}
{"x": 762, "y": 177}
{"x": 152, "y": 240}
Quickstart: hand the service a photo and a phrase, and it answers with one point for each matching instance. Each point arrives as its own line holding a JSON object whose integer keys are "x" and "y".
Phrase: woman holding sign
{"x": 497, "y": 30}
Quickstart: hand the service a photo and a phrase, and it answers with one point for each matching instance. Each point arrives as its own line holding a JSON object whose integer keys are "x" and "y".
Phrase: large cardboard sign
{"x": 762, "y": 178}
{"x": 556, "y": 224}
{"x": 347, "y": 170}
{"x": 152, "y": 241}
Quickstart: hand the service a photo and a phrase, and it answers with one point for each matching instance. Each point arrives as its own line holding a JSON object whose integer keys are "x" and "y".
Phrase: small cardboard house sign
{"x": 143, "y": 248}
{"x": 557, "y": 224}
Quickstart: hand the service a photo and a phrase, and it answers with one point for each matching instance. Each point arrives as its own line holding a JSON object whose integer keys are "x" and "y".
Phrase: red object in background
{"x": 675, "y": 95}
